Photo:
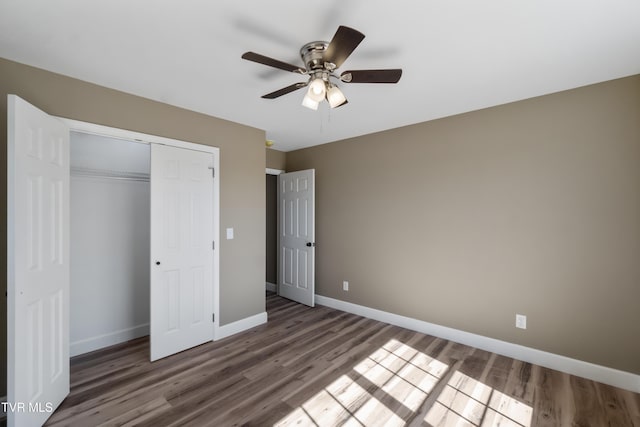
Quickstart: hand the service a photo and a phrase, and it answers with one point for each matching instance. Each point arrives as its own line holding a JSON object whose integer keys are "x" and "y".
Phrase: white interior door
{"x": 38, "y": 264}
{"x": 296, "y": 231}
{"x": 181, "y": 249}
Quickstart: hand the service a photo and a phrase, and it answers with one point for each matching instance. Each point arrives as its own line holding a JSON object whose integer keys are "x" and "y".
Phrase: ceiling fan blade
{"x": 284, "y": 90}
{"x": 344, "y": 41}
{"x": 371, "y": 76}
{"x": 261, "y": 59}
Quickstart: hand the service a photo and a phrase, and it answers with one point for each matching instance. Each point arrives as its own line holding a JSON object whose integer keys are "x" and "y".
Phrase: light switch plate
{"x": 521, "y": 321}
{"x": 229, "y": 233}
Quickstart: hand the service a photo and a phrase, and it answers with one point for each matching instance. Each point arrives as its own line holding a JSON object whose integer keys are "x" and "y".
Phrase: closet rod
{"x": 109, "y": 174}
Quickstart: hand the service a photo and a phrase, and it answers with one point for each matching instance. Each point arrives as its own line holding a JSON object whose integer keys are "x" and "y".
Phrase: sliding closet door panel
{"x": 181, "y": 249}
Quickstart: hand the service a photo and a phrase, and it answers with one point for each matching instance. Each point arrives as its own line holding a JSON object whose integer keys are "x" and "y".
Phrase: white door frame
{"x": 95, "y": 129}
{"x": 270, "y": 171}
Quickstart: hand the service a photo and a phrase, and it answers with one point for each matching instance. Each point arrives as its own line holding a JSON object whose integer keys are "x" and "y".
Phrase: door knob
{"x": 157, "y": 262}
{"x": 311, "y": 245}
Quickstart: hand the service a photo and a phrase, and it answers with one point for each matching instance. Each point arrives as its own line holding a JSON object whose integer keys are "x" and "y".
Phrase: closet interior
{"x": 110, "y": 239}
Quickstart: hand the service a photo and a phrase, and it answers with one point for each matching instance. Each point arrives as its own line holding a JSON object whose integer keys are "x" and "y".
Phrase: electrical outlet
{"x": 521, "y": 321}
{"x": 345, "y": 286}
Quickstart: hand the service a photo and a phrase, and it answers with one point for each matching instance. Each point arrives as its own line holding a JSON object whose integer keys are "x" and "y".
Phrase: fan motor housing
{"x": 313, "y": 55}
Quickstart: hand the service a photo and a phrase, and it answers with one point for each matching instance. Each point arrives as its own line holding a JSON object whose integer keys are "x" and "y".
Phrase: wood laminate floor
{"x": 319, "y": 366}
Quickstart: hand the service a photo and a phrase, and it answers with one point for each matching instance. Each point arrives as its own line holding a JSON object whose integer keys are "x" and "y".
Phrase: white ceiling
{"x": 457, "y": 55}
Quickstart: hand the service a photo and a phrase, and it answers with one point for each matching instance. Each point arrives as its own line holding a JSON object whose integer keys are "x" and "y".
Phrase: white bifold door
{"x": 296, "y": 231}
{"x": 181, "y": 249}
{"x": 37, "y": 264}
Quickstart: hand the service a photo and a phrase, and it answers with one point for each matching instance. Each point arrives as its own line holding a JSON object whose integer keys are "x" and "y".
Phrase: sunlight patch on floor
{"x": 390, "y": 386}
{"x": 468, "y": 402}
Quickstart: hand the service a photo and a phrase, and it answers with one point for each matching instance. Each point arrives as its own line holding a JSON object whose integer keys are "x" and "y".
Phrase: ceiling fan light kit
{"x": 321, "y": 60}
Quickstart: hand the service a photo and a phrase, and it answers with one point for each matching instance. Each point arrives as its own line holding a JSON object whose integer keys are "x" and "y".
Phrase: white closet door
{"x": 181, "y": 249}
{"x": 296, "y": 196}
{"x": 38, "y": 264}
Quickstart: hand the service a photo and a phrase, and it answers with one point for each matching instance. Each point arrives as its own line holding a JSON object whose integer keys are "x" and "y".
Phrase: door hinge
{"x": 213, "y": 245}
{"x": 213, "y": 171}
{"x": 213, "y": 317}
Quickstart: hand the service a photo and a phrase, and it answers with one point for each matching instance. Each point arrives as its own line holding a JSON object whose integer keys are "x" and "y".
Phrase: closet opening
{"x": 109, "y": 241}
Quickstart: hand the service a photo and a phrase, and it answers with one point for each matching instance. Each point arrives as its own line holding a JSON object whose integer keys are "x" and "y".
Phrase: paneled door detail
{"x": 181, "y": 249}
{"x": 37, "y": 264}
{"x": 296, "y": 196}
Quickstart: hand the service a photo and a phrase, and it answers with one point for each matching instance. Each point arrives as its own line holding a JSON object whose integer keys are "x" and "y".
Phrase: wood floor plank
{"x": 520, "y": 384}
{"x": 139, "y": 413}
{"x": 553, "y": 401}
{"x": 273, "y": 381}
{"x": 376, "y": 337}
{"x": 616, "y": 409}
{"x": 319, "y": 366}
{"x": 589, "y": 407}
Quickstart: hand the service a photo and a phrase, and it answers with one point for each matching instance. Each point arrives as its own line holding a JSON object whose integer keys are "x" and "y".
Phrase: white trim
{"x": 274, "y": 171}
{"x": 106, "y": 340}
{"x": 241, "y": 325}
{"x": 95, "y": 129}
{"x": 271, "y": 287}
{"x": 218, "y": 243}
{"x": 580, "y": 368}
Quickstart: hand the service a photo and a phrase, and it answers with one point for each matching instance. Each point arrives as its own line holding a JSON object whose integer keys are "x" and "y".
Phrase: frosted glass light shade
{"x": 335, "y": 97}
{"x": 310, "y": 103}
{"x": 317, "y": 90}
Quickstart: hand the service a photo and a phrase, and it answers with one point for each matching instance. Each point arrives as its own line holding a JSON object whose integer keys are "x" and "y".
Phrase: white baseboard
{"x": 580, "y": 368}
{"x": 106, "y": 340}
{"x": 241, "y": 325}
{"x": 271, "y": 287}
{"x": 95, "y": 343}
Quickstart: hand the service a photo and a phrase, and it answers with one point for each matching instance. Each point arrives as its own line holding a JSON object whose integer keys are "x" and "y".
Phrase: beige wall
{"x": 242, "y": 155}
{"x": 531, "y": 208}
{"x": 276, "y": 159}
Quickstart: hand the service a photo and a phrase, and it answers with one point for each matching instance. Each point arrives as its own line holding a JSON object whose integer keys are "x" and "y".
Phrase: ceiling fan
{"x": 321, "y": 60}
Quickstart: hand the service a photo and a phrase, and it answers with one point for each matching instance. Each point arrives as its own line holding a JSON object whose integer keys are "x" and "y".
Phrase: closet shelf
{"x": 109, "y": 174}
